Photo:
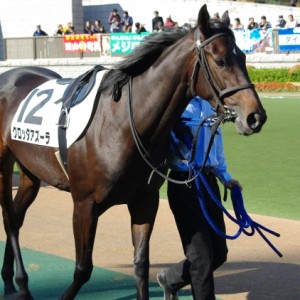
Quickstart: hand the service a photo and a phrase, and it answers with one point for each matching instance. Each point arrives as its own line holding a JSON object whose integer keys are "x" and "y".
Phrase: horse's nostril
{"x": 254, "y": 121}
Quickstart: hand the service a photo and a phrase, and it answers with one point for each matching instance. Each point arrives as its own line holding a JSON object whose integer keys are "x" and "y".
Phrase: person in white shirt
{"x": 291, "y": 23}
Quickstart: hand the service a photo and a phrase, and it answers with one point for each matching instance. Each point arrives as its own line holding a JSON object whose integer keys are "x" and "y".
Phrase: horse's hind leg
{"x": 26, "y": 194}
{"x": 11, "y": 224}
{"x": 143, "y": 215}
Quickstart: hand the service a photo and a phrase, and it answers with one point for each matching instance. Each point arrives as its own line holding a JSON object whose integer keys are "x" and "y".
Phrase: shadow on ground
{"x": 261, "y": 280}
{"x": 50, "y": 275}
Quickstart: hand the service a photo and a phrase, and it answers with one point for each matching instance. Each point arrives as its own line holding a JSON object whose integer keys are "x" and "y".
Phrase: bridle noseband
{"x": 202, "y": 62}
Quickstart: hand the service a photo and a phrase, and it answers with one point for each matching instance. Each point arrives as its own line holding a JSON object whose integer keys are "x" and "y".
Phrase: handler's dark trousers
{"x": 204, "y": 249}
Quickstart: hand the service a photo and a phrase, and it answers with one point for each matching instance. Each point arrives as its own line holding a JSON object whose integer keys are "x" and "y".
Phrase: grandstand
{"x": 18, "y": 18}
{"x": 184, "y": 11}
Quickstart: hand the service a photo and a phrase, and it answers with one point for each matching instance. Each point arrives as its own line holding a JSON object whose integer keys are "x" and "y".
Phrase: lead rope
{"x": 242, "y": 219}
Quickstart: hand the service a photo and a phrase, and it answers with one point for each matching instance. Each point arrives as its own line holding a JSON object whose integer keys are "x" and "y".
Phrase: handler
{"x": 204, "y": 249}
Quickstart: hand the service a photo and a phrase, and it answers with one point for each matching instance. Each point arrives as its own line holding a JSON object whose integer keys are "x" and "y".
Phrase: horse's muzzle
{"x": 253, "y": 123}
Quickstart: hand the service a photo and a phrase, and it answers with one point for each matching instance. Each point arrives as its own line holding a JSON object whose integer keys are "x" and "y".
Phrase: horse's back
{"x": 19, "y": 81}
{"x": 28, "y": 71}
{"x": 16, "y": 84}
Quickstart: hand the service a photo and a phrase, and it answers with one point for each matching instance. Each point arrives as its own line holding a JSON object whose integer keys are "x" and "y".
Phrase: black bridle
{"x": 202, "y": 62}
{"x": 219, "y": 94}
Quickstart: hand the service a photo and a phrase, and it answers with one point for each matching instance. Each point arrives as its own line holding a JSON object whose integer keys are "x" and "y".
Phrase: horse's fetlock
{"x": 83, "y": 274}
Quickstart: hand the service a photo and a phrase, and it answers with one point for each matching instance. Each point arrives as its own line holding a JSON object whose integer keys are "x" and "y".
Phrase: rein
{"x": 143, "y": 152}
{"x": 226, "y": 115}
{"x": 146, "y": 156}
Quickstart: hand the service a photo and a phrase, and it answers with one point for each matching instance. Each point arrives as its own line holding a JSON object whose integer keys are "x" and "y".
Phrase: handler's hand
{"x": 233, "y": 182}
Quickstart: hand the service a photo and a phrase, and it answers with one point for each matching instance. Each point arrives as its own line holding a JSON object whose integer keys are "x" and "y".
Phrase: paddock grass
{"x": 268, "y": 164}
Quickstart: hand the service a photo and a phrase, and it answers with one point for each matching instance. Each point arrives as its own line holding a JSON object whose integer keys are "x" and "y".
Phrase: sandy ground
{"x": 253, "y": 270}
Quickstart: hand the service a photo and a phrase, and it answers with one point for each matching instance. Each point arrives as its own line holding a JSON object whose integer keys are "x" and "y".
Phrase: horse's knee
{"x": 141, "y": 266}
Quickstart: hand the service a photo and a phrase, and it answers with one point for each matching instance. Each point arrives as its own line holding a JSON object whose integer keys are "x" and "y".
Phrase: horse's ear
{"x": 203, "y": 19}
{"x": 225, "y": 18}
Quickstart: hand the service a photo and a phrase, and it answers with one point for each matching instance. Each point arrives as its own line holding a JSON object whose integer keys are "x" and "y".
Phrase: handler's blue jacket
{"x": 182, "y": 137}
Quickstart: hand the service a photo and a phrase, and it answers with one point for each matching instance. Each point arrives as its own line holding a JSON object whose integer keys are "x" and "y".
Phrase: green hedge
{"x": 274, "y": 75}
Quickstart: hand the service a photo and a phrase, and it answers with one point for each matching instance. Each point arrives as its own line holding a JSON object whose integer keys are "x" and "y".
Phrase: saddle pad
{"x": 37, "y": 117}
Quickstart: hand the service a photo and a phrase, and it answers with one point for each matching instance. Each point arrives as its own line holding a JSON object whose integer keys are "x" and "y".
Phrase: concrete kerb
{"x": 73, "y": 67}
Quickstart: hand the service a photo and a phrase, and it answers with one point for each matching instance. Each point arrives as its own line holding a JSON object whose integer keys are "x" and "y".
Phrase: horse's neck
{"x": 166, "y": 95}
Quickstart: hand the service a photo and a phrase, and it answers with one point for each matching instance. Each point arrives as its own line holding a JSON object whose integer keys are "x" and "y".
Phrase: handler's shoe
{"x": 168, "y": 294}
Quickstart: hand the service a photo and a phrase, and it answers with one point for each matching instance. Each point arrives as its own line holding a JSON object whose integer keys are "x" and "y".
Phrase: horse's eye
{"x": 220, "y": 62}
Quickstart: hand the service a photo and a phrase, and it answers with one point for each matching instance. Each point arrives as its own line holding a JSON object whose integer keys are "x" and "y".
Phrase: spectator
{"x": 156, "y": 20}
{"x": 238, "y": 25}
{"x": 291, "y": 23}
{"x": 186, "y": 26}
{"x": 92, "y": 29}
{"x": 293, "y": 3}
{"x": 139, "y": 27}
{"x": 67, "y": 27}
{"x": 59, "y": 31}
{"x": 70, "y": 31}
{"x": 252, "y": 24}
{"x": 160, "y": 27}
{"x": 87, "y": 28}
{"x": 127, "y": 22}
{"x": 281, "y": 22}
{"x": 169, "y": 22}
{"x": 216, "y": 16}
{"x": 102, "y": 29}
{"x": 264, "y": 24}
{"x": 112, "y": 16}
{"x": 116, "y": 26}
{"x": 39, "y": 31}
{"x": 97, "y": 25}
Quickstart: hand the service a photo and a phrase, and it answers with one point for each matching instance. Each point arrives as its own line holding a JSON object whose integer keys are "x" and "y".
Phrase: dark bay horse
{"x": 104, "y": 166}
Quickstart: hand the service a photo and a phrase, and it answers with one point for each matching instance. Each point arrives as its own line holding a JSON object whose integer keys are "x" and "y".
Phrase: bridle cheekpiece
{"x": 217, "y": 92}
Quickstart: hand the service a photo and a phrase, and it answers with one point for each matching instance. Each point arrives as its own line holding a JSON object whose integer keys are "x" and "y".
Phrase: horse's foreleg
{"x": 26, "y": 194}
{"x": 85, "y": 219}
{"x": 143, "y": 215}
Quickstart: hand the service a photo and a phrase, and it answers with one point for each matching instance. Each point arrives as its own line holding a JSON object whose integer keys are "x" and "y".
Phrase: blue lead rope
{"x": 242, "y": 218}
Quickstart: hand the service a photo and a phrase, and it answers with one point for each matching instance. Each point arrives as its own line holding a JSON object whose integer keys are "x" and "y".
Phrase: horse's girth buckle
{"x": 64, "y": 118}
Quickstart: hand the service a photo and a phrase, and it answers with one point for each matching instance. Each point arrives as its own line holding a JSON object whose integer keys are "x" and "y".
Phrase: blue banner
{"x": 289, "y": 39}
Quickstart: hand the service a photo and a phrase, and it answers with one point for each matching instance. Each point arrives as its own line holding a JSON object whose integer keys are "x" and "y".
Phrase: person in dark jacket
{"x": 156, "y": 21}
{"x": 39, "y": 31}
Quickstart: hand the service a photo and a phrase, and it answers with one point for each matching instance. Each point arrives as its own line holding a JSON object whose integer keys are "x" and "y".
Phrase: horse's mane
{"x": 143, "y": 56}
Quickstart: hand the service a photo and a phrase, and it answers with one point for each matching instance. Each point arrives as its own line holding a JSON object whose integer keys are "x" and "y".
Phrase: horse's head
{"x": 220, "y": 73}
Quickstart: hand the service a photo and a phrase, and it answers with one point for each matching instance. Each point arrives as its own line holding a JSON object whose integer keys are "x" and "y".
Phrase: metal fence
{"x": 54, "y": 47}
{"x": 46, "y": 47}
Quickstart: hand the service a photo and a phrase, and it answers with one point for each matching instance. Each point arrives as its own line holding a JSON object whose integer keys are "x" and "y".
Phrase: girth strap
{"x": 75, "y": 93}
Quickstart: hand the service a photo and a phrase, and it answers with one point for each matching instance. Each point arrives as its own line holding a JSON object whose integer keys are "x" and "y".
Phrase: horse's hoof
{"x": 11, "y": 296}
{"x": 17, "y": 296}
{"x": 25, "y": 296}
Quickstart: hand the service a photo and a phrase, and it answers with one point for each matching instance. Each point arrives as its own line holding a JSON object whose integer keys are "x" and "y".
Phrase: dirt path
{"x": 253, "y": 270}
